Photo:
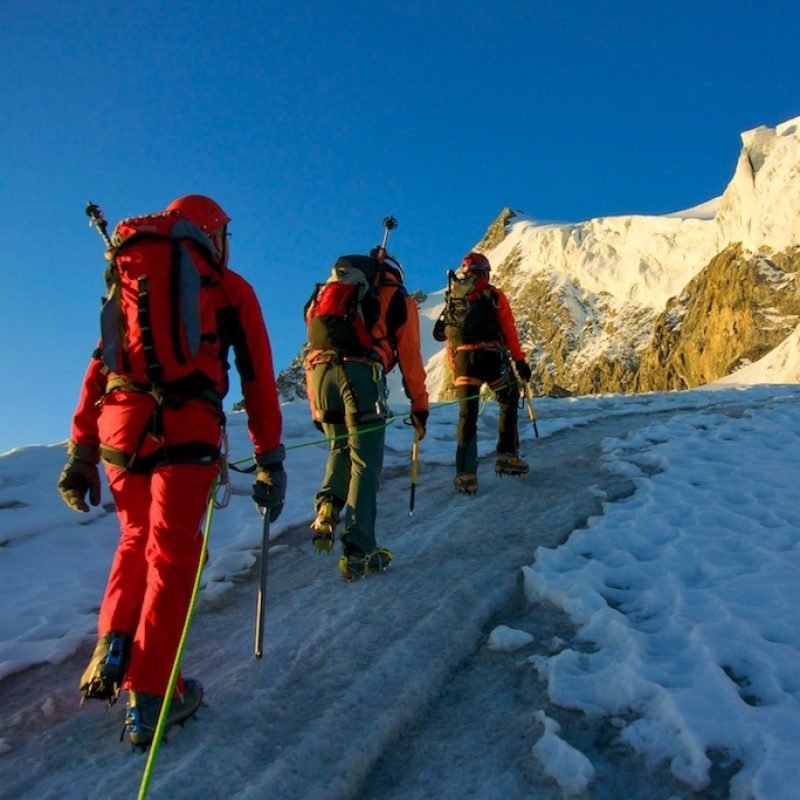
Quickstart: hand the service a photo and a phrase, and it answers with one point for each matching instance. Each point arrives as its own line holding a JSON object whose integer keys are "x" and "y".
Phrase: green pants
{"x": 347, "y": 397}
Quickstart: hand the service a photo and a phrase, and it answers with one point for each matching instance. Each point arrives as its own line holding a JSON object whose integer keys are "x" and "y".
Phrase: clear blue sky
{"x": 309, "y": 122}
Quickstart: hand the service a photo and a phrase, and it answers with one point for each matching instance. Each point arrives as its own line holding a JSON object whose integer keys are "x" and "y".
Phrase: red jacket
{"x": 396, "y": 339}
{"x": 505, "y": 316}
{"x": 242, "y": 328}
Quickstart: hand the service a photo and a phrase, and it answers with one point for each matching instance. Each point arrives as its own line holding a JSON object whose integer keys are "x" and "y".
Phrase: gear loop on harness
{"x": 380, "y": 410}
{"x": 223, "y": 479}
{"x": 193, "y": 452}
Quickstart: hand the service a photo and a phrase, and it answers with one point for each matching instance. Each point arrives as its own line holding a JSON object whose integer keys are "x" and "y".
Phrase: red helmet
{"x": 203, "y": 211}
{"x": 476, "y": 262}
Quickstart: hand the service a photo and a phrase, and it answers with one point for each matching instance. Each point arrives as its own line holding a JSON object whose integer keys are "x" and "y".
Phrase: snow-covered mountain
{"x": 640, "y": 303}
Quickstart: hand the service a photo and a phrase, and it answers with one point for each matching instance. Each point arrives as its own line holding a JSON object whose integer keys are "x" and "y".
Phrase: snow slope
{"x": 781, "y": 365}
{"x": 620, "y": 622}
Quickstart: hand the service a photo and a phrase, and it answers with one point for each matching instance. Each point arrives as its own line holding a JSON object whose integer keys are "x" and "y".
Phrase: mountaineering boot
{"x": 102, "y": 678}
{"x": 359, "y": 565}
{"x": 466, "y": 484}
{"x": 324, "y": 525}
{"x": 141, "y": 713}
{"x": 510, "y": 464}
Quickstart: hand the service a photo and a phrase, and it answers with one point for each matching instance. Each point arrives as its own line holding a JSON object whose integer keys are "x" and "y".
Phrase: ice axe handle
{"x": 414, "y": 469}
{"x": 261, "y": 602}
{"x": 531, "y": 412}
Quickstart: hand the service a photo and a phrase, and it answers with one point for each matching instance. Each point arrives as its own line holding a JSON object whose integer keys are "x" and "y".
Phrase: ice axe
{"x": 98, "y": 220}
{"x": 531, "y": 412}
{"x": 414, "y": 469}
{"x": 261, "y": 603}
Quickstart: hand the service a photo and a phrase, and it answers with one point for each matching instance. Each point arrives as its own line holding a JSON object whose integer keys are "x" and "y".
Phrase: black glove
{"x": 269, "y": 490}
{"x": 420, "y": 420}
{"x": 79, "y": 476}
{"x": 523, "y": 370}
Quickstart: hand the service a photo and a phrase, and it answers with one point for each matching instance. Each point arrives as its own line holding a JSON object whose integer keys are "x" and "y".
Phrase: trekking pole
{"x": 98, "y": 220}
{"x": 389, "y": 224}
{"x": 262, "y": 589}
{"x": 414, "y": 467}
{"x": 531, "y": 412}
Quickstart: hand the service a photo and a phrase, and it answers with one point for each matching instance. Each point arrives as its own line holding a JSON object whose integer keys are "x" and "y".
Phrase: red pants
{"x": 153, "y": 571}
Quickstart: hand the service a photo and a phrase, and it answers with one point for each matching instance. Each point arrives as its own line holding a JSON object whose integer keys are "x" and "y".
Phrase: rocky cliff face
{"x": 732, "y": 314}
{"x": 292, "y": 380}
{"x": 581, "y": 342}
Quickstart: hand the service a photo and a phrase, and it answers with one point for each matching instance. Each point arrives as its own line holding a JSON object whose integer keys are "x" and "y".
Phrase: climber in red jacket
{"x": 161, "y": 446}
{"x": 482, "y": 342}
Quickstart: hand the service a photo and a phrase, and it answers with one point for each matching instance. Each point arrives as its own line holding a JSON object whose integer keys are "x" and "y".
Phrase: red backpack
{"x": 341, "y": 312}
{"x": 159, "y": 319}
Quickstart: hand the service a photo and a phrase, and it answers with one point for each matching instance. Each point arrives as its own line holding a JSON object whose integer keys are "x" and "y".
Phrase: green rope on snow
{"x": 381, "y": 426}
{"x": 329, "y": 439}
{"x": 326, "y": 439}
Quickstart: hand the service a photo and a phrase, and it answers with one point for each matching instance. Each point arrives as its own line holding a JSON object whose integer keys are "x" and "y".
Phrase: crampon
{"x": 359, "y": 566}
{"x": 324, "y": 526}
{"x": 466, "y": 484}
{"x": 510, "y": 464}
{"x": 102, "y": 678}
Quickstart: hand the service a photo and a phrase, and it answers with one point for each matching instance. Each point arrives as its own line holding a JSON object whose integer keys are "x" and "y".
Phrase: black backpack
{"x": 469, "y": 316}
{"x": 342, "y": 311}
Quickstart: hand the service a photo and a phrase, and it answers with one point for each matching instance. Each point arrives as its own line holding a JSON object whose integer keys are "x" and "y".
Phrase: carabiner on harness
{"x": 382, "y": 400}
{"x": 224, "y": 488}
